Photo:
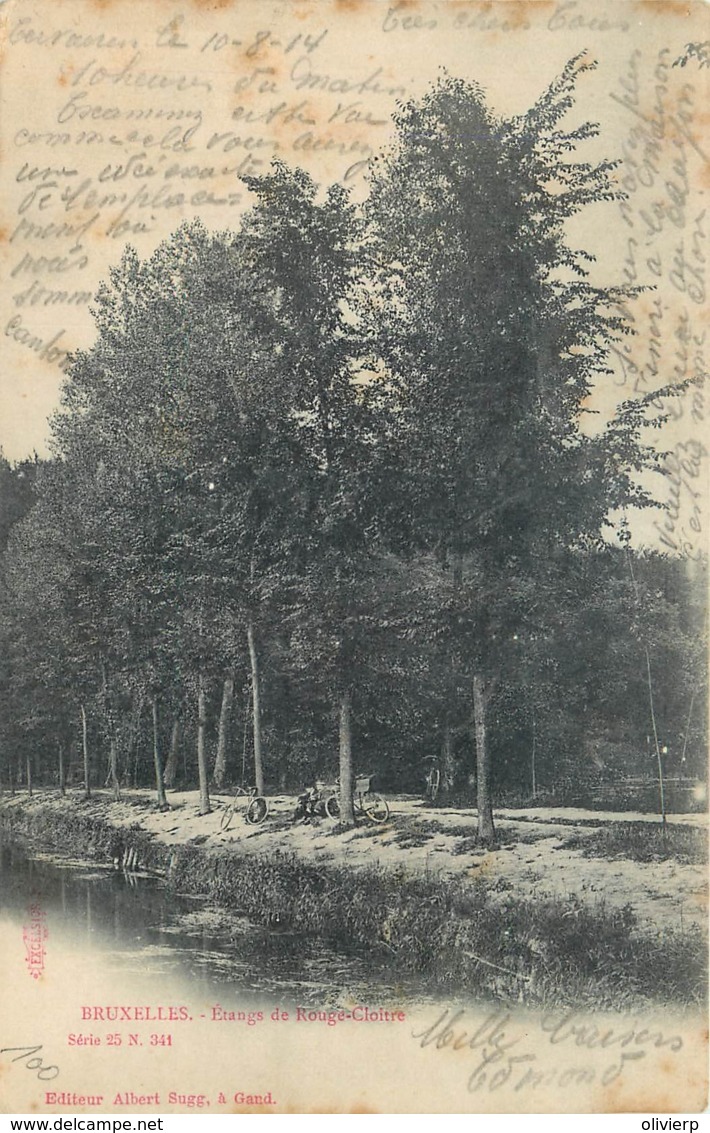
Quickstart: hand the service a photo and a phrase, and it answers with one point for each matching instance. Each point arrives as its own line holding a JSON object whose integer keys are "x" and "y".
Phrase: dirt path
{"x": 533, "y": 859}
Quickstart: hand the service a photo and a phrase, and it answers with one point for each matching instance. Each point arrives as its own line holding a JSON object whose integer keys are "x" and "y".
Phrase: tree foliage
{"x": 325, "y": 491}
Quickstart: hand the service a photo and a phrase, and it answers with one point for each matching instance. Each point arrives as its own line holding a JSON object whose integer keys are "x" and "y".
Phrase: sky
{"x": 120, "y": 121}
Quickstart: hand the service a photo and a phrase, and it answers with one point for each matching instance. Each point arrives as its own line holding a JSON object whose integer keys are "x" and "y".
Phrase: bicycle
{"x": 256, "y": 809}
{"x": 365, "y": 801}
{"x": 433, "y": 782}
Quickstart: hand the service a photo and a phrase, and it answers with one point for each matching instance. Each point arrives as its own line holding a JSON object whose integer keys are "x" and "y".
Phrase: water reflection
{"x": 141, "y": 929}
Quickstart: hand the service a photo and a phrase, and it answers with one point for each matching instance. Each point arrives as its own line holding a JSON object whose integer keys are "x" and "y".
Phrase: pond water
{"x": 131, "y": 924}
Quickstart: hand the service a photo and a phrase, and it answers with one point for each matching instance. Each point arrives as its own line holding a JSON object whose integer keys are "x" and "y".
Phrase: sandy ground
{"x": 532, "y": 861}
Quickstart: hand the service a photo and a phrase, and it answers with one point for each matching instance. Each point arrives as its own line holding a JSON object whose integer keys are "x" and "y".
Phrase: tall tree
{"x": 492, "y": 337}
{"x": 305, "y": 255}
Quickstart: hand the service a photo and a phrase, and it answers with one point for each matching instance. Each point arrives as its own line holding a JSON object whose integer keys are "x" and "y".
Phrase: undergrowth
{"x": 457, "y": 934}
{"x": 643, "y": 842}
{"x": 453, "y": 934}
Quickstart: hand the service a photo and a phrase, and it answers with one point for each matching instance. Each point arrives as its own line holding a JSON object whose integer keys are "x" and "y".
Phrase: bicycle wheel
{"x": 375, "y": 807}
{"x": 227, "y": 815}
{"x": 332, "y": 807}
{"x": 257, "y": 810}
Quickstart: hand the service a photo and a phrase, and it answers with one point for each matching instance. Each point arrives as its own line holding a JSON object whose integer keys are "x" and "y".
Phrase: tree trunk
{"x": 134, "y": 741}
{"x": 62, "y": 775}
{"x": 171, "y": 766}
{"x": 486, "y": 832}
{"x": 256, "y": 709}
{"x": 347, "y": 815}
{"x": 28, "y": 765}
{"x": 113, "y": 763}
{"x": 162, "y": 801}
{"x": 285, "y": 714}
{"x": 447, "y": 744}
{"x": 659, "y": 761}
{"x": 220, "y": 763}
{"x": 132, "y": 768}
{"x": 85, "y": 749}
{"x": 205, "y": 807}
{"x": 532, "y": 757}
{"x": 113, "y": 754}
{"x": 447, "y": 761}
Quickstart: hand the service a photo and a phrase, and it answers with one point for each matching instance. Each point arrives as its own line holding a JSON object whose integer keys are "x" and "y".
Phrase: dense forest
{"x": 325, "y": 494}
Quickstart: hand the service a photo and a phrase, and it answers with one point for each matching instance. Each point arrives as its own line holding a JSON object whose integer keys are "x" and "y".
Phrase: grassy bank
{"x": 639, "y": 842}
{"x": 81, "y": 831}
{"x": 455, "y": 934}
{"x": 459, "y": 935}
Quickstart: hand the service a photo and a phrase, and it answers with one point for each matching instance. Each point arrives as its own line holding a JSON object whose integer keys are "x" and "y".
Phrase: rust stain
{"x": 507, "y": 16}
{"x": 212, "y": 5}
{"x": 683, "y": 1092}
{"x": 521, "y": 8}
{"x": 664, "y": 7}
{"x": 358, "y": 1108}
{"x": 318, "y": 1109}
{"x": 253, "y": 1109}
{"x": 617, "y": 1098}
{"x": 517, "y": 11}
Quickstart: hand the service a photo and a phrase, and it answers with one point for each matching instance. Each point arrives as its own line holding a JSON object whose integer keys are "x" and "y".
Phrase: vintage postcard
{"x": 353, "y": 556}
